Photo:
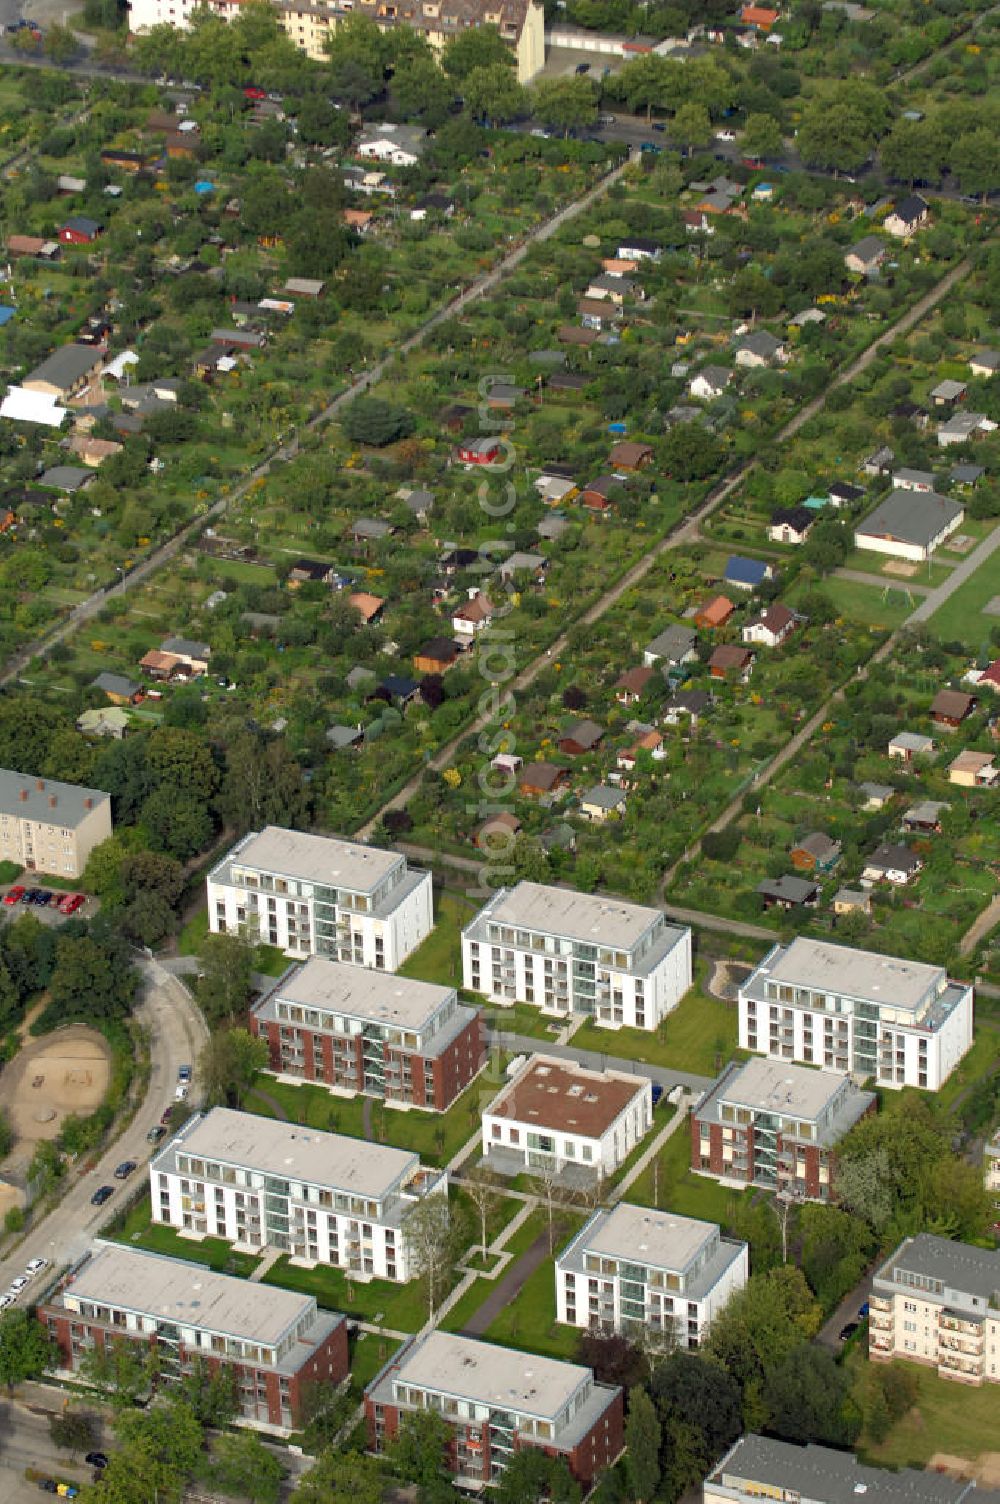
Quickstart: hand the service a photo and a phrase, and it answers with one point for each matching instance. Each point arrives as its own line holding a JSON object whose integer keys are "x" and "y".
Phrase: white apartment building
{"x": 322, "y": 1197}
{"x": 557, "y": 1114}
{"x": 46, "y": 826}
{"x": 991, "y": 1175}
{"x": 620, "y": 963}
{"x": 938, "y": 1302}
{"x": 318, "y": 895}
{"x": 900, "y": 1022}
{"x": 640, "y": 1272}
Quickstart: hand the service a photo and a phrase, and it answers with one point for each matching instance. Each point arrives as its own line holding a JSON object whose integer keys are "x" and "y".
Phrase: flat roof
{"x": 825, "y": 967}
{"x": 779, "y": 1086}
{"x": 361, "y": 992}
{"x": 492, "y": 1375}
{"x": 318, "y": 859}
{"x": 664, "y": 1239}
{"x": 559, "y": 1094}
{"x": 961, "y": 1268}
{"x": 30, "y": 798}
{"x": 169, "y": 1289}
{"x": 588, "y": 917}
{"x": 291, "y": 1152}
{"x": 825, "y": 1476}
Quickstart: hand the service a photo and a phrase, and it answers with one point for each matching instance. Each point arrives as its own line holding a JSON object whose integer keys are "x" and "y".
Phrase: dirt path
{"x": 980, "y": 927}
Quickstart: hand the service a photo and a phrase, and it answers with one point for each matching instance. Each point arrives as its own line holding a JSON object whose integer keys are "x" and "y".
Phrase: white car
{"x": 18, "y": 1284}
{"x": 181, "y": 1094}
{"x": 725, "y": 135}
{"x": 35, "y": 1266}
{"x": 5, "y": 1301}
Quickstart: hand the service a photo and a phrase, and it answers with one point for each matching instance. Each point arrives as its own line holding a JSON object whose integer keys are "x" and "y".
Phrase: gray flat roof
{"x": 332, "y": 1160}
{"x": 819, "y": 965}
{"x": 69, "y": 810}
{"x": 492, "y": 1375}
{"x": 915, "y": 517}
{"x": 320, "y": 859}
{"x": 168, "y": 1289}
{"x": 663, "y": 1239}
{"x": 961, "y": 1268}
{"x": 361, "y": 992}
{"x": 577, "y": 916}
{"x": 778, "y": 1086}
{"x": 821, "y": 1475}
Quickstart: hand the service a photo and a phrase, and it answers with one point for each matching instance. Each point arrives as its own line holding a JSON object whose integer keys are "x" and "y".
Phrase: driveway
{"x": 829, "y": 1333}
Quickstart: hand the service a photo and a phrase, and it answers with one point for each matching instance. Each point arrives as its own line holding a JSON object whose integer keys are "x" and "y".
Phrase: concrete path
{"x": 678, "y": 1121}
{"x": 366, "y": 1118}
{"x": 269, "y": 1260}
{"x": 881, "y": 582}
{"x": 598, "y": 1060}
{"x": 508, "y": 1288}
{"x": 272, "y": 1103}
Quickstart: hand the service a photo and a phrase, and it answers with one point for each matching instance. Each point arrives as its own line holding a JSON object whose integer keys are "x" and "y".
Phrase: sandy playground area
{"x": 985, "y": 1470}
{"x": 50, "y": 1078}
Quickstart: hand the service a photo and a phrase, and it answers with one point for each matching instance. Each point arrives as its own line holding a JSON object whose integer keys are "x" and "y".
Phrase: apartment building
{"x": 318, "y": 895}
{"x": 521, "y": 23}
{"x": 620, "y": 963}
{"x": 47, "y": 826}
{"x": 558, "y": 1115}
{"x": 322, "y": 1197}
{"x": 991, "y": 1175}
{"x": 276, "y": 1342}
{"x": 411, "y": 1043}
{"x": 775, "y": 1125}
{"x": 759, "y": 1467}
{"x": 498, "y": 1401}
{"x": 938, "y": 1302}
{"x": 900, "y": 1022}
{"x": 639, "y": 1272}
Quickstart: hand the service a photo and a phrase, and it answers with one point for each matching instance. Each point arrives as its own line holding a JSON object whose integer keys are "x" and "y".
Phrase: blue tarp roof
{"x": 6, "y": 314}
{"x": 745, "y": 571}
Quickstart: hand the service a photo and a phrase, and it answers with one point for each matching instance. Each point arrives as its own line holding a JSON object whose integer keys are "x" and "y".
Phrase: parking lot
{"x": 564, "y": 61}
{"x": 49, "y": 913}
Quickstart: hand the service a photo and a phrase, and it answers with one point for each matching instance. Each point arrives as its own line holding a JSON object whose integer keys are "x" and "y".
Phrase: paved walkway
{"x": 508, "y": 1288}
{"x": 679, "y": 1120}
{"x": 269, "y": 1260}
{"x": 599, "y": 1060}
{"x": 958, "y": 576}
{"x": 272, "y": 1103}
{"x": 882, "y": 582}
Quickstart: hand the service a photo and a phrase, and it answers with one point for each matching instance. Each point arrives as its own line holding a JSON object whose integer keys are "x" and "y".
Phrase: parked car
{"x": 725, "y": 135}
{"x": 155, "y": 1134}
{"x": 18, "y": 1283}
{"x": 847, "y": 1332}
{"x": 13, "y": 895}
{"x": 660, "y": 125}
{"x": 582, "y": 68}
{"x": 102, "y": 1194}
{"x": 43, "y": 897}
{"x": 863, "y": 1312}
{"x": 72, "y": 902}
{"x": 27, "y": 895}
{"x": 5, "y": 1301}
{"x": 166, "y": 1116}
{"x": 35, "y": 1266}
{"x": 184, "y": 1073}
{"x": 650, "y": 147}
{"x": 96, "y": 1459}
{"x": 124, "y": 1170}
{"x": 181, "y": 1093}
{"x": 657, "y": 1092}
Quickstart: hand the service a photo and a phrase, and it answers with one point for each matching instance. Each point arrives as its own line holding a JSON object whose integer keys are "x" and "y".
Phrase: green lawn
{"x": 877, "y": 605}
{"x": 192, "y": 936}
{"x": 439, "y": 958}
{"x": 139, "y": 1232}
{"x": 698, "y": 1036}
{"x": 530, "y": 1319}
{"x": 369, "y": 1353}
{"x": 947, "y": 1417}
{"x": 680, "y": 1189}
{"x": 522, "y": 1018}
{"x": 960, "y": 618}
{"x": 401, "y": 1308}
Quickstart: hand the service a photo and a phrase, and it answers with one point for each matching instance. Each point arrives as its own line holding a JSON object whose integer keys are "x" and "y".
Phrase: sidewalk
{"x": 679, "y": 1120}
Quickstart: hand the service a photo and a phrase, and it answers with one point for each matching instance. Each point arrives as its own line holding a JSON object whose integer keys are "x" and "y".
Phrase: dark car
{"x": 96, "y": 1459}
{"x": 43, "y": 897}
{"x": 847, "y": 1332}
{"x": 864, "y": 1311}
{"x": 658, "y": 125}
{"x": 155, "y": 1134}
{"x": 102, "y": 1194}
{"x": 124, "y": 1170}
{"x": 28, "y": 896}
{"x": 47, "y": 1485}
{"x": 583, "y": 67}
{"x": 657, "y": 1092}
{"x": 167, "y": 1115}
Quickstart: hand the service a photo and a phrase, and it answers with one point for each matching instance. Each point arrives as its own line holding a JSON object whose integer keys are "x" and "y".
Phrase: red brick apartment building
{"x": 498, "y": 1401}
{"x": 276, "y": 1341}
{"x": 369, "y": 1031}
{"x": 773, "y": 1124}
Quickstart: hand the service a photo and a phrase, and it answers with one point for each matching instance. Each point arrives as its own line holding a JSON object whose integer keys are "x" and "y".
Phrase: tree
{"x": 691, "y": 1392}
{"x": 975, "y": 161}
{"x": 418, "y": 1451}
{"x": 373, "y": 420}
{"x": 211, "y": 1394}
{"x": 118, "y": 1370}
{"x": 493, "y": 93}
{"x": 690, "y": 452}
{"x": 691, "y": 125}
{"x": 531, "y": 1476}
{"x": 834, "y": 135}
{"x": 645, "y": 83}
{"x": 421, "y": 91}
{"x": 761, "y": 136}
{"x": 7, "y": 1136}
{"x": 614, "y": 1359}
{"x": 483, "y": 1187}
{"x": 431, "y": 1237}
{"x": 179, "y": 824}
{"x": 642, "y": 1442}
{"x": 229, "y": 1063}
{"x": 91, "y": 980}
{"x": 342, "y": 1478}
{"x": 762, "y": 1323}
{"x": 243, "y": 1465}
{"x": 565, "y": 103}
{"x": 478, "y": 47}
{"x": 808, "y": 1398}
{"x": 26, "y": 1349}
{"x": 73, "y": 1431}
{"x": 827, "y": 546}
{"x": 225, "y": 985}
{"x": 169, "y": 1432}
{"x": 912, "y": 151}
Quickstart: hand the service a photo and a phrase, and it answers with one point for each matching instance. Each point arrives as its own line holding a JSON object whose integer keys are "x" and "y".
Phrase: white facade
{"x": 935, "y": 1302}
{"x": 323, "y": 1197}
{"x": 648, "y": 1273}
{"x": 565, "y": 952}
{"x": 556, "y": 1113}
{"x": 991, "y": 1175}
{"x": 317, "y": 895}
{"x": 902, "y": 1022}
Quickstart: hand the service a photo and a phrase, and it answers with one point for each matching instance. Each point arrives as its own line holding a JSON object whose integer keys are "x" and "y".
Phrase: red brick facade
{"x": 469, "y": 1452}
{"x": 265, "y": 1395}
{"x": 429, "y": 1081}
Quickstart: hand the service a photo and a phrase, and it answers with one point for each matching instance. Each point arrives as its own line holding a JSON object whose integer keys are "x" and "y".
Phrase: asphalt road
{"x": 24, "y": 1443}
{"x": 177, "y": 1036}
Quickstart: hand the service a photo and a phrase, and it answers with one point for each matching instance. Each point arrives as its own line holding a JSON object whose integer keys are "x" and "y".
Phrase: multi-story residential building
{"x": 411, "y": 1043}
{"x": 498, "y": 1401}
{"x": 991, "y": 1175}
{"x": 758, "y": 1467}
{"x": 555, "y": 1114}
{"x": 902, "y": 1022}
{"x": 636, "y": 1271}
{"x": 938, "y": 1302}
{"x": 774, "y": 1125}
{"x": 566, "y": 952}
{"x": 47, "y": 826}
{"x": 521, "y": 23}
{"x": 275, "y": 1341}
{"x": 317, "y": 895}
{"x": 323, "y": 1197}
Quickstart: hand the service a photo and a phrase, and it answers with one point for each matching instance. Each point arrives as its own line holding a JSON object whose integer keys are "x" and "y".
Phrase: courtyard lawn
{"x": 699, "y": 1036}
{"x": 369, "y": 1353}
{"x": 680, "y": 1189}
{"x": 947, "y": 1417}
{"x": 399, "y": 1308}
{"x": 439, "y": 958}
{"x": 138, "y": 1231}
{"x": 530, "y": 1319}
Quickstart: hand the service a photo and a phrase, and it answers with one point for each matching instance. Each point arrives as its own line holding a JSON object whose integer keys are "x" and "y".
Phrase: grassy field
{"x": 369, "y": 1353}
{"x": 439, "y": 958}
{"x": 530, "y": 1318}
{"x": 877, "y": 605}
{"x": 960, "y": 618}
{"x": 699, "y": 1036}
{"x": 400, "y": 1308}
{"x": 138, "y": 1231}
{"x": 947, "y": 1417}
{"x": 678, "y": 1188}
{"x": 192, "y": 936}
